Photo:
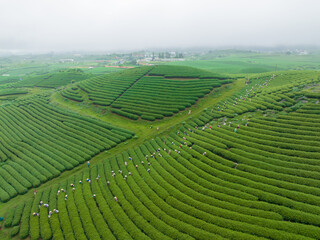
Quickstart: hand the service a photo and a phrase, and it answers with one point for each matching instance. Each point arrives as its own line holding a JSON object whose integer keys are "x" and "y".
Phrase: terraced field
{"x": 72, "y": 93}
{"x": 149, "y": 93}
{"x": 8, "y": 92}
{"x": 247, "y": 168}
{"x": 39, "y": 141}
{"x": 103, "y": 90}
{"x": 52, "y": 80}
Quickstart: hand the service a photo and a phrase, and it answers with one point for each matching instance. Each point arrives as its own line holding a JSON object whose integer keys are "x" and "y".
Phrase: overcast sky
{"x": 140, "y": 24}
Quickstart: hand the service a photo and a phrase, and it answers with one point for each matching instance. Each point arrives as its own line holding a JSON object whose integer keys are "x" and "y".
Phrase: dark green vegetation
{"x": 39, "y": 141}
{"x": 244, "y": 164}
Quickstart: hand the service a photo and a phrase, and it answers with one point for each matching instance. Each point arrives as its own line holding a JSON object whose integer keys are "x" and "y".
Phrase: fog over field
{"x": 60, "y": 25}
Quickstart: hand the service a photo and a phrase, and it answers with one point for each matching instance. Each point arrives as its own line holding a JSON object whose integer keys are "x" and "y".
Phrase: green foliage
{"x": 72, "y": 93}
{"x": 184, "y": 72}
{"x": 54, "y": 79}
{"x": 12, "y": 91}
{"x": 9, "y": 218}
{"x": 103, "y": 90}
{"x": 14, "y": 231}
{"x": 17, "y": 214}
{"x": 24, "y": 227}
{"x": 201, "y": 181}
{"x": 44, "y": 140}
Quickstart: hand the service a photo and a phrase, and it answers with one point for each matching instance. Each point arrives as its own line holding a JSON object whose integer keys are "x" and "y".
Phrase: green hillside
{"x": 39, "y": 141}
{"x": 148, "y": 93}
{"x": 243, "y": 164}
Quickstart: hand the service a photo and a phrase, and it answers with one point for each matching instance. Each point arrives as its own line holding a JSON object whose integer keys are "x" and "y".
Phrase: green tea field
{"x": 162, "y": 152}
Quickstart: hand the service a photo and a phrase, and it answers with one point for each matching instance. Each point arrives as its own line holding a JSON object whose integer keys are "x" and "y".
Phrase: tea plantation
{"x": 39, "y": 141}
{"x": 148, "y": 93}
{"x": 246, "y": 165}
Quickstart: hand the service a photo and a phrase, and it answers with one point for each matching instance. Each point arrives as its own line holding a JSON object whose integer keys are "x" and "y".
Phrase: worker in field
{"x": 130, "y": 158}
{"x": 88, "y": 163}
{"x": 40, "y": 204}
{"x": 204, "y": 153}
{"x": 116, "y": 199}
{"x": 125, "y": 163}
{"x": 235, "y": 130}
{"x": 108, "y": 183}
{"x": 50, "y": 213}
{"x": 73, "y": 189}
{"x": 93, "y": 196}
{"x": 35, "y": 192}
{"x": 189, "y": 112}
{"x": 56, "y": 210}
{"x": 80, "y": 182}
{"x": 66, "y": 197}
{"x": 235, "y": 165}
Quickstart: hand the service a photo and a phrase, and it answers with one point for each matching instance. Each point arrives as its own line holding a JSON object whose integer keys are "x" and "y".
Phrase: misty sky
{"x": 68, "y": 25}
